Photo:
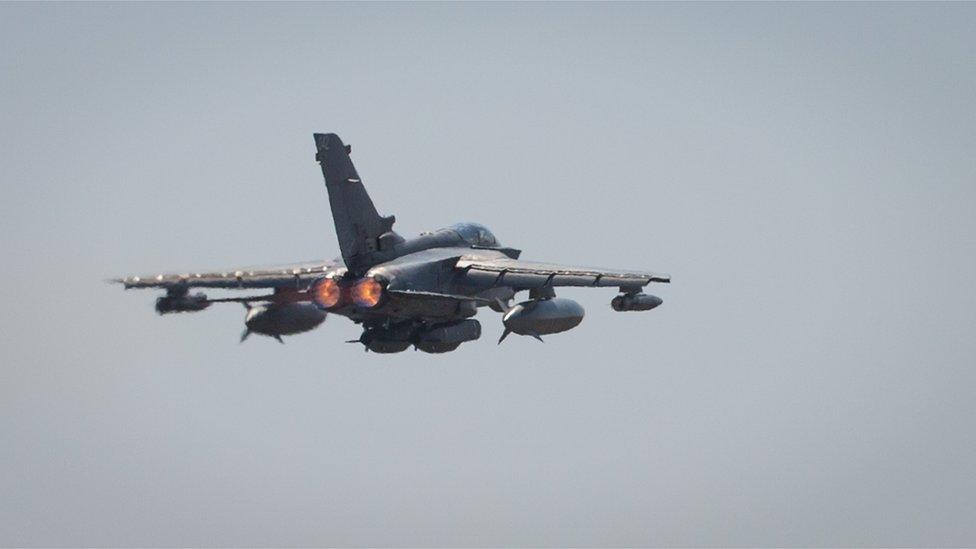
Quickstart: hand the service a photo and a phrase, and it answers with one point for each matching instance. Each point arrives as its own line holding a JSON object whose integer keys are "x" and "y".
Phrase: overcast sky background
{"x": 806, "y": 173}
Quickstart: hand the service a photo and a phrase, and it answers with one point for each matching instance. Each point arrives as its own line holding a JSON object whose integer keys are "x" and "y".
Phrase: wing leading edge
{"x": 526, "y": 275}
{"x": 298, "y": 276}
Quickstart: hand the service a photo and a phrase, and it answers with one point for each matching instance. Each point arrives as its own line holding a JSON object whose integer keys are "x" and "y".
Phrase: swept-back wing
{"x": 297, "y": 275}
{"x": 525, "y": 275}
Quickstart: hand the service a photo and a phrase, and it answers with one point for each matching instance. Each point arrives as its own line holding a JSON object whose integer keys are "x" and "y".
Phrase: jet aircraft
{"x": 421, "y": 291}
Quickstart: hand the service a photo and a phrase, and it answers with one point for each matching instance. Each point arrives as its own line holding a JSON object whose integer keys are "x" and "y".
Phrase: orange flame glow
{"x": 326, "y": 293}
{"x": 367, "y": 292}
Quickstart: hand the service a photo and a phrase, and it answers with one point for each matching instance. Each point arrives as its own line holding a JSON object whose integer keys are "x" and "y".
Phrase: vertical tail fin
{"x": 358, "y": 226}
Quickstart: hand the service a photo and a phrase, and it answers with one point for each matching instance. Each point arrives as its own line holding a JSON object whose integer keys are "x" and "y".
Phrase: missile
{"x": 447, "y": 337}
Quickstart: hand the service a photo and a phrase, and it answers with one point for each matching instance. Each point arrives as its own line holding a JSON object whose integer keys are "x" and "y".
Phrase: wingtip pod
{"x": 635, "y": 302}
{"x": 130, "y": 282}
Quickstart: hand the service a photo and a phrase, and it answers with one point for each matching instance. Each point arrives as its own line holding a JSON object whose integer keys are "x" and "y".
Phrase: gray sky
{"x": 805, "y": 172}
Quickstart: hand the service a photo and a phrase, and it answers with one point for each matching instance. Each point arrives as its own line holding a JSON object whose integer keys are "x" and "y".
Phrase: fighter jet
{"x": 420, "y": 292}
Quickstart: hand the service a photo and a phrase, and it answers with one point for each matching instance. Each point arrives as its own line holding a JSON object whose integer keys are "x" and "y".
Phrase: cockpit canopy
{"x": 475, "y": 234}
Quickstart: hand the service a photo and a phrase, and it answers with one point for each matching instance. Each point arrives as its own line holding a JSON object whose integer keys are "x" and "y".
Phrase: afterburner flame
{"x": 326, "y": 293}
{"x": 367, "y": 292}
